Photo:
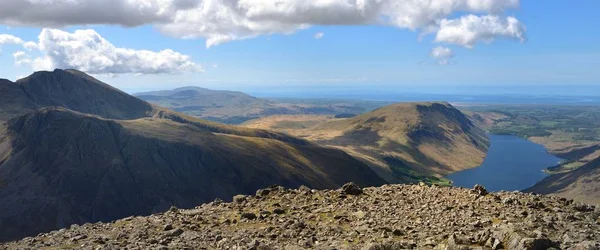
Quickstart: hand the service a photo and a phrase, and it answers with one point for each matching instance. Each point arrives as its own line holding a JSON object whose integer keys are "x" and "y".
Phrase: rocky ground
{"x": 387, "y": 217}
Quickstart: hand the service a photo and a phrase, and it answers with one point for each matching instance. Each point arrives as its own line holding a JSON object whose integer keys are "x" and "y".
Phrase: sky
{"x": 279, "y": 47}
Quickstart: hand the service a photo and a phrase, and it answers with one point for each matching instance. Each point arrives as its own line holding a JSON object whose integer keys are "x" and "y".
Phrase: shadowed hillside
{"x": 404, "y": 142}
{"x": 77, "y": 91}
{"x": 581, "y": 184}
{"x": 60, "y": 167}
{"x": 13, "y": 100}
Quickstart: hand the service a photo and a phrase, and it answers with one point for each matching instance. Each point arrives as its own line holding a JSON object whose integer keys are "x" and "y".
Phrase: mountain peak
{"x": 81, "y": 92}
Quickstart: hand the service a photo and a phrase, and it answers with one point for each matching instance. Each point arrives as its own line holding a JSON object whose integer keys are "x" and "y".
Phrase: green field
{"x": 574, "y": 124}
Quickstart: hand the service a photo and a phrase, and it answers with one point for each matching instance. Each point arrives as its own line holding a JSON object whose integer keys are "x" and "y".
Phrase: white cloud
{"x": 319, "y": 35}
{"x": 87, "y": 51}
{"x": 221, "y": 21}
{"x": 21, "y": 58}
{"x": 9, "y": 39}
{"x": 471, "y": 29}
{"x": 442, "y": 55}
{"x": 31, "y": 46}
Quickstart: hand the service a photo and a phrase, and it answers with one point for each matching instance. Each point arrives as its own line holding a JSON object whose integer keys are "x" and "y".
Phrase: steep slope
{"x": 70, "y": 89}
{"x": 581, "y": 184}
{"x": 404, "y": 142}
{"x": 77, "y": 91}
{"x": 59, "y": 167}
{"x": 13, "y": 100}
{"x": 387, "y": 217}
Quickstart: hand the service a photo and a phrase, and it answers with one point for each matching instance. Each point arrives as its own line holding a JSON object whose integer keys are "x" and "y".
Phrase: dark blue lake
{"x": 512, "y": 163}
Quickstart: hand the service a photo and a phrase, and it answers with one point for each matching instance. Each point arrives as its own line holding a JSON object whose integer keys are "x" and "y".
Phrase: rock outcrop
{"x": 387, "y": 217}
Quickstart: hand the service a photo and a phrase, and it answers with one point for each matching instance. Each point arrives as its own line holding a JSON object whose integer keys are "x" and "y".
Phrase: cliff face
{"x": 387, "y": 217}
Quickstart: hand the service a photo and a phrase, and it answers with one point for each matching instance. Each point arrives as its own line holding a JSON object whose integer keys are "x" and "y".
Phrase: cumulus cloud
{"x": 57, "y": 13}
{"x": 86, "y": 50}
{"x": 9, "y": 39}
{"x": 442, "y": 55}
{"x": 220, "y": 21}
{"x": 21, "y": 58}
{"x": 30, "y": 45}
{"x": 471, "y": 29}
{"x": 319, "y": 35}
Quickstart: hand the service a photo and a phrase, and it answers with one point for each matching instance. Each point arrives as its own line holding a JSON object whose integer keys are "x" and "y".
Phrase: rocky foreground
{"x": 387, "y": 217}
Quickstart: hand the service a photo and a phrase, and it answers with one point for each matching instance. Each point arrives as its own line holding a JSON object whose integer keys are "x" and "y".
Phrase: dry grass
{"x": 384, "y": 133}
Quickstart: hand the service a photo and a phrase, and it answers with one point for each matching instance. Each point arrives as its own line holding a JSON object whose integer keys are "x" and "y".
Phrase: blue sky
{"x": 562, "y": 50}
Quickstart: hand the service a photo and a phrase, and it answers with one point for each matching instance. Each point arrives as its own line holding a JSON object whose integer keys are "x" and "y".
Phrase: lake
{"x": 512, "y": 163}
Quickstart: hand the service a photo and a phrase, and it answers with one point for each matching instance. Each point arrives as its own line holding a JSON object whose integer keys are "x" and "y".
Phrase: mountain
{"x": 387, "y": 217}
{"x": 404, "y": 142}
{"x": 89, "y": 157}
{"x": 13, "y": 100}
{"x": 581, "y": 184}
{"x": 234, "y": 107}
{"x": 70, "y": 89}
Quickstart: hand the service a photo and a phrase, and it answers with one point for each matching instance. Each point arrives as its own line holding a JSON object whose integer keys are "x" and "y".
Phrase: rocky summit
{"x": 387, "y": 217}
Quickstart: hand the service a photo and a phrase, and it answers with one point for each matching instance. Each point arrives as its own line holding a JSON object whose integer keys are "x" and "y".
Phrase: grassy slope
{"x": 580, "y": 184}
{"x": 59, "y": 167}
{"x": 403, "y": 142}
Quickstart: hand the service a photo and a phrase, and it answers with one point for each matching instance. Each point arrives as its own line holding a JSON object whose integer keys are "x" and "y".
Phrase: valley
{"x": 75, "y": 150}
{"x": 407, "y": 142}
{"x": 570, "y": 132}
{"x": 299, "y": 124}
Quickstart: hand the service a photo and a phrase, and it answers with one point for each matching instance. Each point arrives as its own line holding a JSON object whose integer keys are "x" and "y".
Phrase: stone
{"x": 479, "y": 190}
{"x": 587, "y": 245}
{"x": 174, "y": 232}
{"x": 351, "y": 189}
{"x": 262, "y": 192}
{"x": 239, "y": 198}
{"x": 249, "y": 216}
{"x": 381, "y": 218}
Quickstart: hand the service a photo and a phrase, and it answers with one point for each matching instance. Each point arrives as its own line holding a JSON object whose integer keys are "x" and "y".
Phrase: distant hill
{"x": 405, "y": 142}
{"x": 233, "y": 107}
{"x": 76, "y": 150}
{"x": 581, "y": 184}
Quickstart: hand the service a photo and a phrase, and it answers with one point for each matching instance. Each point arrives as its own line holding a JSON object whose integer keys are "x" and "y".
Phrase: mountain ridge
{"x": 234, "y": 107}
{"x": 60, "y": 166}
